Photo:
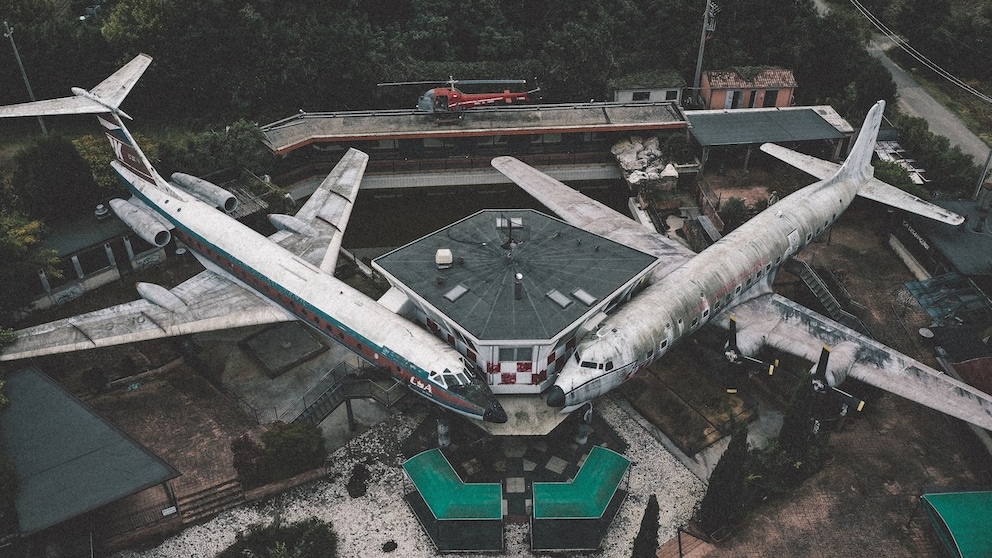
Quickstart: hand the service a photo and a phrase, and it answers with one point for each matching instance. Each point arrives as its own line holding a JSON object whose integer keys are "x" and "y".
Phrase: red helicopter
{"x": 449, "y": 102}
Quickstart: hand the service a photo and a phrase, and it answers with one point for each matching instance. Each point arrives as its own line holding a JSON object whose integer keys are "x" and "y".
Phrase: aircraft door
{"x": 794, "y": 241}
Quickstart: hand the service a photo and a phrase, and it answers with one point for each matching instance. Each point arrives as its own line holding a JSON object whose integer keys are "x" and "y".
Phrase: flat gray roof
{"x": 566, "y": 271}
{"x": 307, "y": 128}
{"x": 967, "y": 249}
{"x": 69, "y": 460}
{"x": 749, "y": 126}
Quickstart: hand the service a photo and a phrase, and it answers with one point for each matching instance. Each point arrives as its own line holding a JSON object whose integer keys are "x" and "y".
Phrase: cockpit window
{"x": 448, "y": 379}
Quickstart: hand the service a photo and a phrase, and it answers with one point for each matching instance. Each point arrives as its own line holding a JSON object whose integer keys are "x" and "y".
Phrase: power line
{"x": 918, "y": 56}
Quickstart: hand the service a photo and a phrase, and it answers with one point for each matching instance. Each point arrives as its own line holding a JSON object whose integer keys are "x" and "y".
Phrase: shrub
{"x": 357, "y": 483}
{"x": 310, "y": 538}
{"x": 291, "y": 449}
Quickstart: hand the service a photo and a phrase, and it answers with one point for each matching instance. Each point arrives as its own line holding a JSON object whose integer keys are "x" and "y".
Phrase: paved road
{"x": 915, "y": 101}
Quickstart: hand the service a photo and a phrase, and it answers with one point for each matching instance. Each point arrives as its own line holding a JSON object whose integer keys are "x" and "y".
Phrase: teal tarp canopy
{"x": 963, "y": 521}
{"x": 68, "y": 459}
{"x": 446, "y": 494}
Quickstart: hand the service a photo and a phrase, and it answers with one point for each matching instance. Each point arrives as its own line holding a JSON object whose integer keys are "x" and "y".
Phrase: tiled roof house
{"x": 747, "y": 88}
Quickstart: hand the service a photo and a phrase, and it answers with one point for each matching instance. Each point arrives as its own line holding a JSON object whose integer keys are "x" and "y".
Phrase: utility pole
{"x": 8, "y": 32}
{"x": 985, "y": 174}
{"x": 709, "y": 25}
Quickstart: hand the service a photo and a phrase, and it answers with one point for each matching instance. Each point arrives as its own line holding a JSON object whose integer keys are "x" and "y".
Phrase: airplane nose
{"x": 556, "y": 397}
{"x": 495, "y": 413}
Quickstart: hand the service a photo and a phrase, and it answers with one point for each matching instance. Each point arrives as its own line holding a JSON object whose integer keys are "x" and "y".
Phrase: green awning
{"x": 752, "y": 126}
{"x": 963, "y": 521}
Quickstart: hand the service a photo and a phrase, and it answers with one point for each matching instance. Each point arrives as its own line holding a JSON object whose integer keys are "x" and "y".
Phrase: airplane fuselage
{"x": 413, "y": 356}
{"x": 738, "y": 266}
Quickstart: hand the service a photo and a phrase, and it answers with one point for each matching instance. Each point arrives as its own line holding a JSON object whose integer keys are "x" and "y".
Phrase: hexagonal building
{"x": 512, "y": 290}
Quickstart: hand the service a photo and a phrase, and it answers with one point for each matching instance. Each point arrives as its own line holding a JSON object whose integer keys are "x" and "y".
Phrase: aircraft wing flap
{"x": 212, "y": 303}
{"x": 328, "y": 211}
{"x": 580, "y": 211}
{"x": 811, "y": 165}
{"x": 781, "y": 323}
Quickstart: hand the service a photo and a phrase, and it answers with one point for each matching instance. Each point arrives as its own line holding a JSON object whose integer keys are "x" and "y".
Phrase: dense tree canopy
{"x": 52, "y": 180}
{"x": 219, "y": 60}
{"x": 23, "y": 255}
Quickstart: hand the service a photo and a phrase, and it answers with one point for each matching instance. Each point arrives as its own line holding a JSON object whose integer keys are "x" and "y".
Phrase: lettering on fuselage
{"x": 422, "y": 385}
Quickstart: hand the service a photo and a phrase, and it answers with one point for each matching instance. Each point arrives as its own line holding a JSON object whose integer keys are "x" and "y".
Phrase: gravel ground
{"x": 364, "y": 524}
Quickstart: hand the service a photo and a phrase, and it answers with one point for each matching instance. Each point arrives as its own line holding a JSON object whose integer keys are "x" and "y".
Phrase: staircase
{"x": 346, "y": 389}
{"x": 822, "y": 293}
{"x": 202, "y": 505}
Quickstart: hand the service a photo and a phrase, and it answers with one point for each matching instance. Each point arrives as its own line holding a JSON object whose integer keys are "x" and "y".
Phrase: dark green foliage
{"x": 22, "y": 255}
{"x": 52, "y": 182}
{"x": 734, "y": 213}
{"x": 796, "y": 434}
{"x": 948, "y": 168}
{"x": 646, "y": 541}
{"x": 247, "y": 454}
{"x": 358, "y": 481}
{"x": 237, "y": 146}
{"x": 291, "y": 449}
{"x": 310, "y": 538}
{"x": 726, "y": 494}
{"x": 892, "y": 173}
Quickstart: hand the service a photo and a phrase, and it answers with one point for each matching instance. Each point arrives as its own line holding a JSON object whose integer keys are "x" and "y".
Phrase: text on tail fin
{"x": 124, "y": 148}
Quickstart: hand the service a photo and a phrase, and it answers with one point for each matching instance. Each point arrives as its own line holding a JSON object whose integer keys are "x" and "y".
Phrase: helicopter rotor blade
{"x": 394, "y": 83}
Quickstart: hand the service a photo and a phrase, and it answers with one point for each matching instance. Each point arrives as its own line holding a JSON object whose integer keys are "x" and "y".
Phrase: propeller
{"x": 821, "y": 386}
{"x": 745, "y": 363}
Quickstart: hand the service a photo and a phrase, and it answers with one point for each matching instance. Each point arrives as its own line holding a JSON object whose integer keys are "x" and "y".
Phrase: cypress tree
{"x": 646, "y": 541}
{"x": 726, "y": 494}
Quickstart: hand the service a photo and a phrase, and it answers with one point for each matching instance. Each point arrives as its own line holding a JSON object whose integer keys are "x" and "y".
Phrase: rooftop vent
{"x": 558, "y": 298}
{"x": 456, "y": 292}
{"x": 443, "y": 258}
{"x": 584, "y": 297}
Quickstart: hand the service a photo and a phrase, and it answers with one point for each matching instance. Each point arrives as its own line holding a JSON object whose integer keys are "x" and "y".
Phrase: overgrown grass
{"x": 974, "y": 112}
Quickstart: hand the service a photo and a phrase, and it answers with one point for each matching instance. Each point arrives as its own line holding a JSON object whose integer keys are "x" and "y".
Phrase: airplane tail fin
{"x": 858, "y": 163}
{"x": 104, "y": 100}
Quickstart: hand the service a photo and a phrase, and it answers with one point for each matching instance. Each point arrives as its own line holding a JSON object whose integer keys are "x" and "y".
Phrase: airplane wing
{"x": 205, "y": 302}
{"x": 578, "y": 210}
{"x": 317, "y": 232}
{"x": 874, "y": 189}
{"x": 776, "y": 321}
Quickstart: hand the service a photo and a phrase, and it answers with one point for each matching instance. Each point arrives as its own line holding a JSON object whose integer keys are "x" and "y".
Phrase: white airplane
{"x": 249, "y": 279}
{"x": 729, "y": 284}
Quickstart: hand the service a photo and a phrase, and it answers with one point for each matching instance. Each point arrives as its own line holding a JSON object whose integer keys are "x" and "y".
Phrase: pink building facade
{"x": 728, "y": 89}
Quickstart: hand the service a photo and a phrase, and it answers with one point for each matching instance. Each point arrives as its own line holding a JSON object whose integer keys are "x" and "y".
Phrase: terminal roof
{"x": 306, "y": 128}
{"x": 566, "y": 272}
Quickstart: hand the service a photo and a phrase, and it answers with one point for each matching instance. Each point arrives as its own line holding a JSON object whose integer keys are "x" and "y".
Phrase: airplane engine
{"x": 206, "y": 191}
{"x": 842, "y": 357}
{"x": 150, "y": 229}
